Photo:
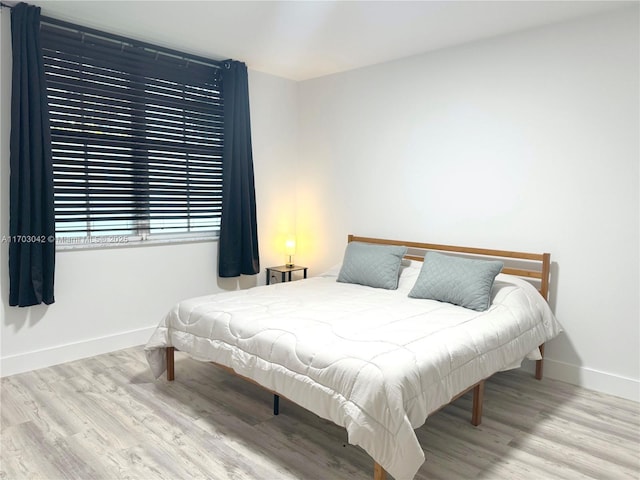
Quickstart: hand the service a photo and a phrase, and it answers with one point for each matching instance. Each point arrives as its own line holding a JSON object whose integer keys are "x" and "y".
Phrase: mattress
{"x": 371, "y": 360}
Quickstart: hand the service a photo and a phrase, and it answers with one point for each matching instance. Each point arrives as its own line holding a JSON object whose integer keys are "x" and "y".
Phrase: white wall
{"x": 524, "y": 142}
{"x": 112, "y": 298}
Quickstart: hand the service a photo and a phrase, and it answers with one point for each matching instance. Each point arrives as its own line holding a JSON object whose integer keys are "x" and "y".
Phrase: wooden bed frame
{"x": 534, "y": 267}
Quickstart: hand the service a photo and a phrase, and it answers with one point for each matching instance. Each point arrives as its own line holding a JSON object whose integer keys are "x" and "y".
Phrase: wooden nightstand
{"x": 285, "y": 272}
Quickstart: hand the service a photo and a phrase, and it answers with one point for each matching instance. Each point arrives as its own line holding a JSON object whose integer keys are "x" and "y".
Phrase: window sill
{"x": 107, "y": 243}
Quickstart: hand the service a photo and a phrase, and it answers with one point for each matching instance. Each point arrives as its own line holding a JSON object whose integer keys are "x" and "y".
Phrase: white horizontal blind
{"x": 136, "y": 137}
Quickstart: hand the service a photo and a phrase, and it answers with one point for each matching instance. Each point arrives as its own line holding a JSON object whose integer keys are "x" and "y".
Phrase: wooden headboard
{"x": 532, "y": 266}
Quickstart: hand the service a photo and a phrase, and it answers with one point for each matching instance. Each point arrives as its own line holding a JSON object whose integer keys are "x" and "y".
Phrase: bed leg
{"x": 276, "y": 404}
{"x": 478, "y": 397}
{"x": 171, "y": 372}
{"x": 539, "y": 363}
{"x": 379, "y": 472}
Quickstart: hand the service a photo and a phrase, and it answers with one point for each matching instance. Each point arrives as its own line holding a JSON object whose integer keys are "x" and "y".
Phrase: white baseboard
{"x": 603, "y": 382}
{"x": 576, "y": 375}
{"x": 47, "y": 357}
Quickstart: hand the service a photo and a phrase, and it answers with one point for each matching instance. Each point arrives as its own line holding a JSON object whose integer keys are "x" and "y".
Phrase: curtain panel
{"x": 31, "y": 211}
{"x": 238, "y": 242}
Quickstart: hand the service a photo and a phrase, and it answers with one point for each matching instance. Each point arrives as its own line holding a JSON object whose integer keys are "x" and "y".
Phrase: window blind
{"x": 137, "y": 136}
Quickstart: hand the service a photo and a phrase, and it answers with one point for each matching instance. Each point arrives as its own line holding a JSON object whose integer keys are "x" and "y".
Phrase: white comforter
{"x": 373, "y": 361}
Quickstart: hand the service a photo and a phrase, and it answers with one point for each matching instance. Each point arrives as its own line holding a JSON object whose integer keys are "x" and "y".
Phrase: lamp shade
{"x": 290, "y": 246}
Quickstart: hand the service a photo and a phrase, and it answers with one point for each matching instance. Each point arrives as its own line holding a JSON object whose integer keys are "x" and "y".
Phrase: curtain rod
{"x": 130, "y": 41}
{"x": 135, "y": 43}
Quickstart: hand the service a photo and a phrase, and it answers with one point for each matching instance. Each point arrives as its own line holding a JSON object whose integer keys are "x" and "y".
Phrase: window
{"x": 137, "y": 136}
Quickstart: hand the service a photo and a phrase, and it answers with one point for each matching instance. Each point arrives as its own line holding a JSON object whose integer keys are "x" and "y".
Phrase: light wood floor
{"x": 105, "y": 418}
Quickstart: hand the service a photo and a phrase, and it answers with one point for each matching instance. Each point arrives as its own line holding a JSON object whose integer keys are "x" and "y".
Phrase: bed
{"x": 375, "y": 360}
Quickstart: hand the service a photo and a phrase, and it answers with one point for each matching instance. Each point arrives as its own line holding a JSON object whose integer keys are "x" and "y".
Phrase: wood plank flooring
{"x": 105, "y": 418}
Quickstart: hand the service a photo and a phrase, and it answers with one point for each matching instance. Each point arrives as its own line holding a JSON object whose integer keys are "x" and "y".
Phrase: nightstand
{"x": 285, "y": 272}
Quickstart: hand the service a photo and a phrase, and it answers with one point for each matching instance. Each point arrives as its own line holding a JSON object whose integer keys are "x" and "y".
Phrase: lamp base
{"x": 289, "y": 265}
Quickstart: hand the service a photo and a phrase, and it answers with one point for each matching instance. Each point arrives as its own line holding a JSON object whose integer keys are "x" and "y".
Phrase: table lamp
{"x": 290, "y": 251}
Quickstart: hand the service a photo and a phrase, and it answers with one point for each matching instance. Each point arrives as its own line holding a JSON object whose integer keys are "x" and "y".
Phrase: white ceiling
{"x": 300, "y": 40}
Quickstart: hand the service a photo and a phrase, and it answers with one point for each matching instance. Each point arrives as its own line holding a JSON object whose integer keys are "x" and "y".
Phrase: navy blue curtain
{"x": 31, "y": 211}
{"x": 238, "y": 242}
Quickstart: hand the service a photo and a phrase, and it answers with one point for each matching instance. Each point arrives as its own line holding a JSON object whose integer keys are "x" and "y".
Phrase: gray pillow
{"x": 461, "y": 281}
{"x": 372, "y": 265}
